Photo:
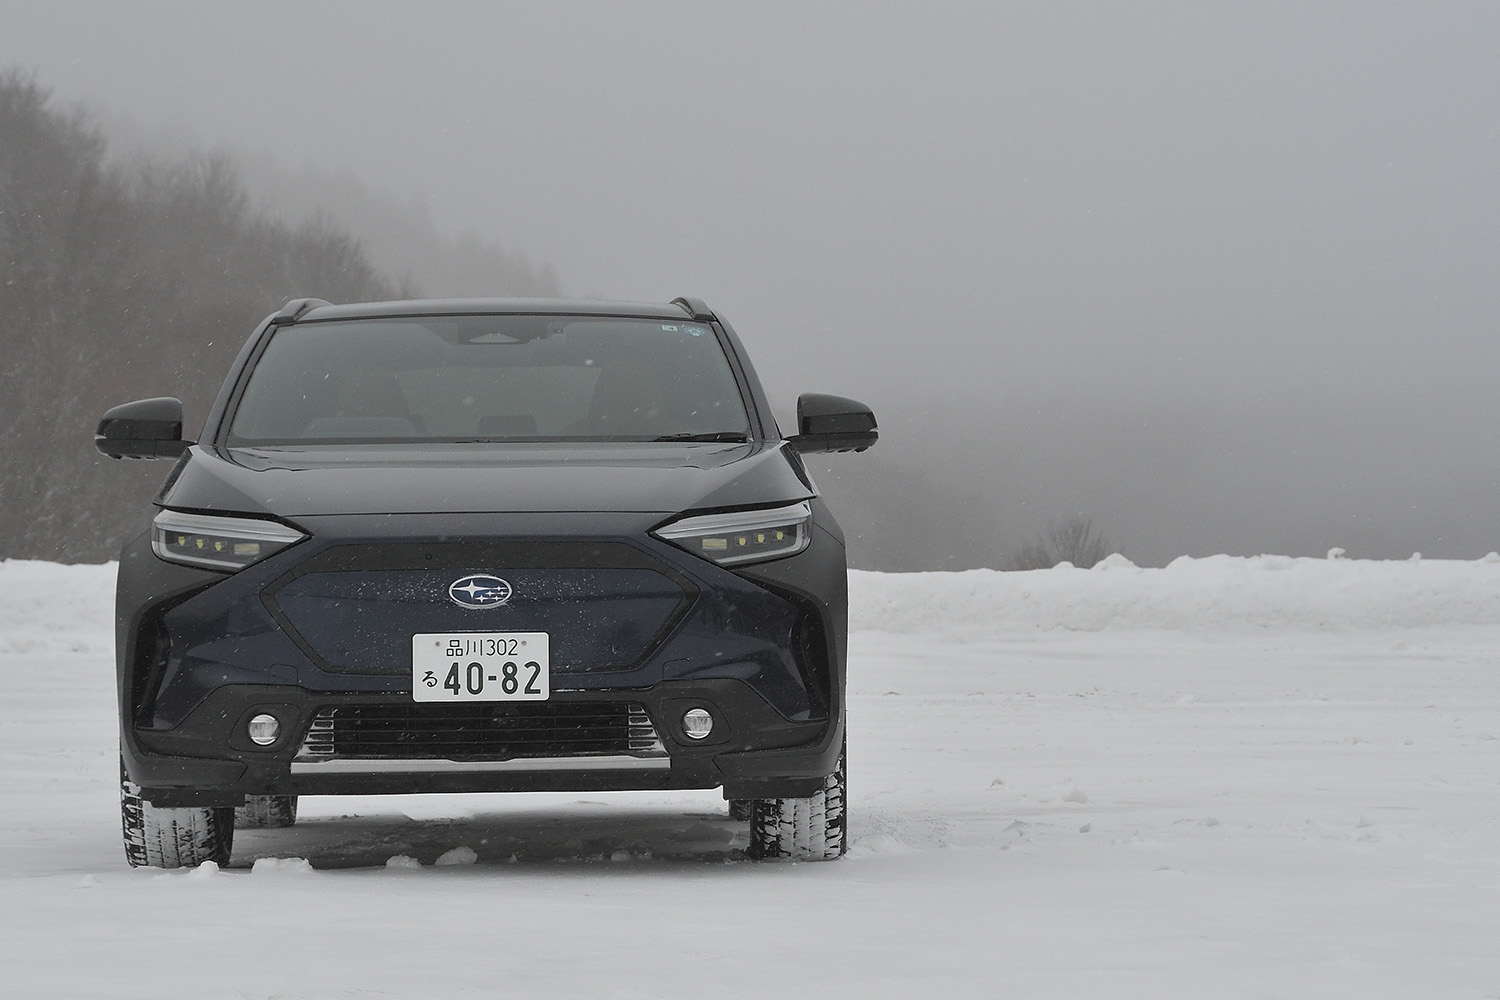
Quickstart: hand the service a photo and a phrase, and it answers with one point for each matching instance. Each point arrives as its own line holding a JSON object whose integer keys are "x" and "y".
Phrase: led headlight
{"x": 743, "y": 536}
{"x": 217, "y": 542}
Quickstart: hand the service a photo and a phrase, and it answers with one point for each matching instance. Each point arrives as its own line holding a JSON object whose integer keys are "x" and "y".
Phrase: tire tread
{"x": 814, "y": 828}
{"x": 172, "y": 837}
{"x": 266, "y": 812}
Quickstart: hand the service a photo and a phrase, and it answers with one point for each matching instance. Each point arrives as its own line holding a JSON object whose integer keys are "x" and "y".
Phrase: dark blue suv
{"x": 482, "y": 545}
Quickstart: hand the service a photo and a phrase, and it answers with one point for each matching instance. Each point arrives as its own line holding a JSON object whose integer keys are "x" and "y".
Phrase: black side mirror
{"x": 147, "y": 428}
{"x": 833, "y": 423}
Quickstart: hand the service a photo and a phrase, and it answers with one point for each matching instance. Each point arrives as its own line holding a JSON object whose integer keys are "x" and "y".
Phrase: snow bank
{"x": 1211, "y": 594}
{"x": 1125, "y": 813}
{"x": 49, "y": 608}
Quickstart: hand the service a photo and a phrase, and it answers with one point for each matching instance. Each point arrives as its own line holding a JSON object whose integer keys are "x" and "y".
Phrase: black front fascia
{"x": 723, "y": 624}
{"x": 633, "y": 581}
{"x": 225, "y": 645}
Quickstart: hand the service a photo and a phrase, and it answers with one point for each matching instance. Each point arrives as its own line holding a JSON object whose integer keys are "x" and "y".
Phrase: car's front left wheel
{"x": 173, "y": 837}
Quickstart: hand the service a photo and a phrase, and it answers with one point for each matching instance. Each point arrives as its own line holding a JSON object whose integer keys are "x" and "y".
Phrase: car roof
{"x": 514, "y": 307}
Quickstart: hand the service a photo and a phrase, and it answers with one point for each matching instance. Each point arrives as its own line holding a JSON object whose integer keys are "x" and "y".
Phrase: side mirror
{"x": 833, "y": 423}
{"x": 147, "y": 428}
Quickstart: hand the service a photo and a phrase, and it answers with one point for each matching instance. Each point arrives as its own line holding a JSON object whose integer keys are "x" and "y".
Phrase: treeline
{"x": 400, "y": 237}
{"x": 126, "y": 274}
{"x": 122, "y": 278}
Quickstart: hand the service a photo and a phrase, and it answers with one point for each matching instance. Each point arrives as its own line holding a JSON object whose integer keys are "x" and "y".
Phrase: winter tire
{"x": 181, "y": 837}
{"x": 740, "y": 809}
{"x": 266, "y": 812}
{"x": 805, "y": 829}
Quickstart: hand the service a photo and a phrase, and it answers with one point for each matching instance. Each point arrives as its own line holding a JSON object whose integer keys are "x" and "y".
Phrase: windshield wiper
{"x": 735, "y": 436}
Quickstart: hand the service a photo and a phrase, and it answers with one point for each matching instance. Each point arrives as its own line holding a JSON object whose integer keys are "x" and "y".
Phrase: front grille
{"x": 354, "y": 608}
{"x": 481, "y": 731}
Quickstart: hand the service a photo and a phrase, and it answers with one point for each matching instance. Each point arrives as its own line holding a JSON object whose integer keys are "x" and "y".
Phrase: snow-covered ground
{"x": 1256, "y": 778}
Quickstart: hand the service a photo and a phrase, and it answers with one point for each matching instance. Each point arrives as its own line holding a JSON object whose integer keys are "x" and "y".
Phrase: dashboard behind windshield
{"x": 453, "y": 379}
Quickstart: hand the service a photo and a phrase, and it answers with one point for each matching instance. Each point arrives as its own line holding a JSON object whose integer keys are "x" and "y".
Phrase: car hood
{"x": 361, "y": 479}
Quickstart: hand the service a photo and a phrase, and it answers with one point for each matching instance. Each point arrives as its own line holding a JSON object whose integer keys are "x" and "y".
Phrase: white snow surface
{"x": 1258, "y": 778}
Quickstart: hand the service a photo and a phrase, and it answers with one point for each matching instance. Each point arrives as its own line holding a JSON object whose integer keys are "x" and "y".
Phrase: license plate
{"x": 480, "y": 666}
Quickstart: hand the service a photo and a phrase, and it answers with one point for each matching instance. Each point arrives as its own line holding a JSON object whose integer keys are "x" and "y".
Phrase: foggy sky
{"x": 1223, "y": 278}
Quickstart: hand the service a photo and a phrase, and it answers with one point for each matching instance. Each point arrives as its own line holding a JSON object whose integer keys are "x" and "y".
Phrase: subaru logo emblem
{"x": 479, "y": 591}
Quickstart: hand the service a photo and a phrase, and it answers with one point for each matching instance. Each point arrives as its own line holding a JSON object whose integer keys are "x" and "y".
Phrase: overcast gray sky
{"x": 1070, "y": 219}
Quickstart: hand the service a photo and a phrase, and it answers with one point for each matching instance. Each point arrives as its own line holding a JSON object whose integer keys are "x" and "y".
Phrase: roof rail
{"x": 696, "y": 308}
{"x": 293, "y": 310}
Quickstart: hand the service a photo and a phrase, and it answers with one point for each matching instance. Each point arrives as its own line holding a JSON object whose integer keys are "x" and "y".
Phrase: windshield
{"x": 490, "y": 378}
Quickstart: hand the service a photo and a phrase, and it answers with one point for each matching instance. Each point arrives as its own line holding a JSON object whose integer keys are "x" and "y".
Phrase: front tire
{"x": 178, "y": 837}
{"x": 266, "y": 812}
{"x": 814, "y": 828}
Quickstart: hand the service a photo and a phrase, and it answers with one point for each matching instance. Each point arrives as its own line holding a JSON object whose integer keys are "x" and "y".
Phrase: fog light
{"x": 697, "y": 723}
{"x": 264, "y": 730}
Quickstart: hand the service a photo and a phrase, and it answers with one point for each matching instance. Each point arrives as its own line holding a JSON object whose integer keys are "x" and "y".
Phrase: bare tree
{"x": 1075, "y": 541}
{"x": 119, "y": 282}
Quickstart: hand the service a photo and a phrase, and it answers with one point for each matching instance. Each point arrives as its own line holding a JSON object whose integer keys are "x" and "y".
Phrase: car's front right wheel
{"x": 173, "y": 837}
{"x": 814, "y": 828}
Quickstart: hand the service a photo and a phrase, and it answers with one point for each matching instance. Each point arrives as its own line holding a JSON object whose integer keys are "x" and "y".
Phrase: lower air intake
{"x": 481, "y": 732}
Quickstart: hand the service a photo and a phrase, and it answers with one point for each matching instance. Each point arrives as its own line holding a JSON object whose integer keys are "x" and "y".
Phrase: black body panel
{"x": 422, "y": 479}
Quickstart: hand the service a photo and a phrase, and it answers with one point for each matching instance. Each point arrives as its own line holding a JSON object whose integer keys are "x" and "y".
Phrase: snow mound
{"x": 49, "y": 608}
{"x": 1210, "y": 594}
{"x": 461, "y": 855}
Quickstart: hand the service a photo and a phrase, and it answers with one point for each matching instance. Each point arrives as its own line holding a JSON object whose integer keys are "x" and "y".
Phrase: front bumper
{"x": 216, "y": 764}
{"x": 200, "y": 653}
